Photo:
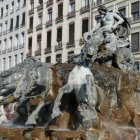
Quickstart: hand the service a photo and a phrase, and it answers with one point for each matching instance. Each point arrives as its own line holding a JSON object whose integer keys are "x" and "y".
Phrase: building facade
{"x": 52, "y": 29}
{"x": 12, "y": 32}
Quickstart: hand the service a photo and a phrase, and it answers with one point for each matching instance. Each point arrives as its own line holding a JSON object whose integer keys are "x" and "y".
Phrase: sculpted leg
{"x": 32, "y": 118}
{"x": 64, "y": 90}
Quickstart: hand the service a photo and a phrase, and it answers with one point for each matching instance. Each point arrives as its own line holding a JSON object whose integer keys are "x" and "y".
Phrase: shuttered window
{"x": 60, "y": 10}
{"x": 23, "y": 19}
{"x": 17, "y": 22}
{"x": 135, "y": 42}
{"x": 31, "y": 22}
{"x": 59, "y": 34}
{"x": 135, "y": 10}
{"x": 49, "y": 36}
{"x": 135, "y": 7}
{"x": 71, "y": 32}
{"x": 84, "y": 26}
{"x": 30, "y": 43}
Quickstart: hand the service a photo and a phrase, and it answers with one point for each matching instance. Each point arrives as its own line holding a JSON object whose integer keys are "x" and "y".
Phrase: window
{"x": 16, "y": 41}
{"x": 11, "y": 25}
{"x": 135, "y": 42}
{"x": 6, "y": 10}
{"x": 40, "y": 18}
{"x": 60, "y": 10}
{"x": 97, "y": 18}
{"x": 39, "y": 37}
{"x": 85, "y": 3}
{"x": 72, "y": 6}
{"x": 122, "y": 10}
{"x": 71, "y": 33}
{"x": 18, "y": 3}
{"x": 59, "y": 58}
{"x": 22, "y": 38}
{"x": 84, "y": 26}
{"x": 48, "y": 59}
{"x": 23, "y": 19}
{"x": 5, "y": 44}
{"x": 16, "y": 60}
{"x": 32, "y": 4}
{"x": 50, "y": 14}
{"x": 10, "y": 62}
{"x": 1, "y": 12}
{"x": 59, "y": 34}
{"x": 135, "y": 10}
{"x": 21, "y": 57}
{"x": 31, "y": 23}
{"x": 10, "y": 43}
{"x": 4, "y": 64}
{"x": 24, "y": 2}
{"x": 17, "y": 22}
{"x": 49, "y": 36}
{"x": 12, "y": 6}
{"x": 1, "y": 28}
{"x": 6, "y": 26}
{"x": 30, "y": 43}
{"x": 136, "y": 66}
{"x": 98, "y": 2}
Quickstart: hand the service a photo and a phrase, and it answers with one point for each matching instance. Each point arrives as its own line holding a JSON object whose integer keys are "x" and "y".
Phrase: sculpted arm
{"x": 96, "y": 27}
{"x": 120, "y": 20}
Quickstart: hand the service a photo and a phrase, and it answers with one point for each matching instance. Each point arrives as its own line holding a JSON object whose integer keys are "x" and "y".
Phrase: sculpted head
{"x": 102, "y": 10}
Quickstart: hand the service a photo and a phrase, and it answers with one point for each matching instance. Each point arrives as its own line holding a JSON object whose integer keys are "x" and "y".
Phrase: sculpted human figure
{"x": 108, "y": 23}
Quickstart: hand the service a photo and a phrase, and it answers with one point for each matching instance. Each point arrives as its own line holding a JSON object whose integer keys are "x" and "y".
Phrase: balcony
{"x": 29, "y": 54}
{"x": 58, "y": 47}
{"x": 47, "y": 50}
{"x": 31, "y": 11}
{"x": 49, "y": 3}
{"x": 15, "y": 48}
{"x": 85, "y": 9}
{"x": 59, "y": 19}
{"x": 1, "y": 34}
{"x": 21, "y": 46}
{"x": 9, "y": 50}
{"x": 6, "y": 14}
{"x": 30, "y": 30}
{"x": 71, "y": 14}
{"x": 38, "y": 52}
{"x": 70, "y": 44}
{"x": 4, "y": 51}
{"x": 39, "y": 27}
{"x": 48, "y": 23}
{"x": 40, "y": 7}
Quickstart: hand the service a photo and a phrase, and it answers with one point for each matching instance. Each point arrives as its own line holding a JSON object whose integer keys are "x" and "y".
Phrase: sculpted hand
{"x": 114, "y": 27}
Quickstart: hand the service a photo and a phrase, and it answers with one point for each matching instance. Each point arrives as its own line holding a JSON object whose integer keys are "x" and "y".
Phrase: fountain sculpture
{"x": 96, "y": 96}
